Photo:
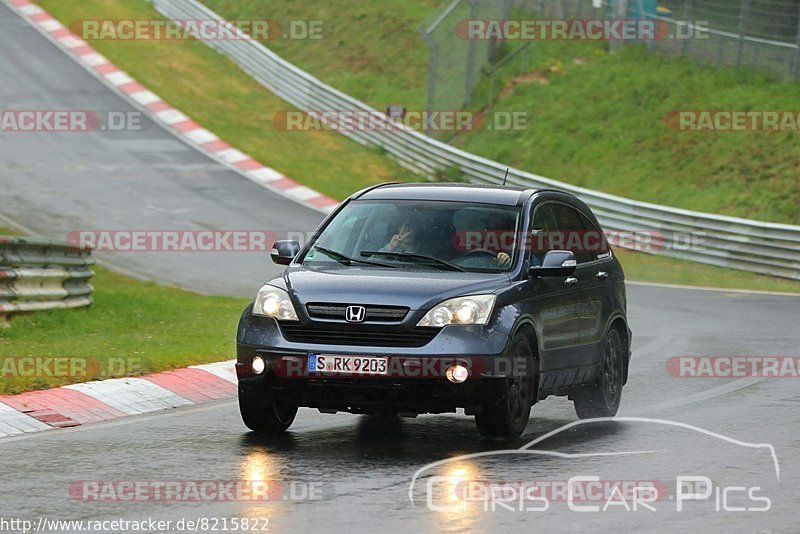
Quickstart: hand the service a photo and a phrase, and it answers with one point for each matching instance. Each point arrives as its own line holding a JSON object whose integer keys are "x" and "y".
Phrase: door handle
{"x": 602, "y": 275}
{"x": 571, "y": 281}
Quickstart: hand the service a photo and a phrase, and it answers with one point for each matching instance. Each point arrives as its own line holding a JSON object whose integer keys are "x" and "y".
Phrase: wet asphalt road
{"x": 362, "y": 466}
{"x": 57, "y": 183}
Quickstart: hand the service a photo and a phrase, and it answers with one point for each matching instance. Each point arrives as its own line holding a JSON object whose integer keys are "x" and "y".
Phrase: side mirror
{"x": 283, "y": 252}
{"x": 555, "y": 263}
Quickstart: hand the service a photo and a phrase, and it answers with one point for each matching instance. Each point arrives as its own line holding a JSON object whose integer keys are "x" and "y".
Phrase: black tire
{"x": 508, "y": 417}
{"x": 602, "y": 398}
{"x": 263, "y": 412}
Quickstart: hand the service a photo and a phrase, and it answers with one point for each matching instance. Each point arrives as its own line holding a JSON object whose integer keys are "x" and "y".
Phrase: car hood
{"x": 416, "y": 289}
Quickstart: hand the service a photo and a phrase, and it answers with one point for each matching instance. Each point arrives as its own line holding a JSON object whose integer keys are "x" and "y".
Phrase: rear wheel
{"x": 602, "y": 398}
{"x": 265, "y": 412}
{"x": 508, "y": 417}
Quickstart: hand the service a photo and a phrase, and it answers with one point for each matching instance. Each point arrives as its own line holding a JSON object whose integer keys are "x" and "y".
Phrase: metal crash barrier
{"x": 38, "y": 274}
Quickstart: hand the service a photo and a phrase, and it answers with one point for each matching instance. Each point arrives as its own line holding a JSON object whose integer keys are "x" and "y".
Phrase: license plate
{"x": 357, "y": 365}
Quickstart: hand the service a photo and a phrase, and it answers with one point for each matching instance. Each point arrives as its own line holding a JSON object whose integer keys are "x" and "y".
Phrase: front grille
{"x": 373, "y": 313}
{"x": 417, "y": 337}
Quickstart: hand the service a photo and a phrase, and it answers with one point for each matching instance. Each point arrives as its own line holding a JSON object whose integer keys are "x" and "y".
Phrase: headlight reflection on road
{"x": 258, "y": 465}
{"x": 261, "y": 466}
{"x": 446, "y": 495}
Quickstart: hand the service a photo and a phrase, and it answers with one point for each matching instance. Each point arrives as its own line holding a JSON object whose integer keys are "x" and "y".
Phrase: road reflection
{"x": 258, "y": 464}
{"x": 344, "y": 460}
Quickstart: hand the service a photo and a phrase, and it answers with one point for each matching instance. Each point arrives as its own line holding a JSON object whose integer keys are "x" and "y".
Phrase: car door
{"x": 603, "y": 276}
{"x": 554, "y": 303}
{"x": 580, "y": 236}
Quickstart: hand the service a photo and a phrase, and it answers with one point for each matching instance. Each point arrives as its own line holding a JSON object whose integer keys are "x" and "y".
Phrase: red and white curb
{"x": 93, "y": 402}
{"x": 173, "y": 120}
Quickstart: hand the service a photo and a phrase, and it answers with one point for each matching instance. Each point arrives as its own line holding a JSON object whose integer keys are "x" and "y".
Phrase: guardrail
{"x": 760, "y": 247}
{"x": 37, "y": 274}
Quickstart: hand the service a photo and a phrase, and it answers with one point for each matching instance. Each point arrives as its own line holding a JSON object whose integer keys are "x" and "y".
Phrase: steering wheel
{"x": 481, "y": 251}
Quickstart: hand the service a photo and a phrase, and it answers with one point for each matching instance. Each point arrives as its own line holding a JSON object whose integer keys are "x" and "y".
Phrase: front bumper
{"x": 416, "y": 382}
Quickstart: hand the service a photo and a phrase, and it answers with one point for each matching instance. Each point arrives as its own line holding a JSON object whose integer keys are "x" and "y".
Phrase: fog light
{"x": 258, "y": 364}
{"x": 457, "y": 373}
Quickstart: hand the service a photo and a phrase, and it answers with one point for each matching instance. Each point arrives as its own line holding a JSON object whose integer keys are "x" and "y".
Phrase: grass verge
{"x": 132, "y": 328}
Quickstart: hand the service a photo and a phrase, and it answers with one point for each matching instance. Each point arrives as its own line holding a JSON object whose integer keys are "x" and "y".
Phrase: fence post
{"x": 620, "y": 12}
{"x": 742, "y": 27}
{"x": 796, "y": 58}
{"x": 523, "y": 63}
{"x": 559, "y": 14}
{"x": 432, "y": 65}
{"x": 643, "y": 20}
{"x": 473, "y": 15}
{"x": 687, "y": 19}
{"x": 491, "y": 50}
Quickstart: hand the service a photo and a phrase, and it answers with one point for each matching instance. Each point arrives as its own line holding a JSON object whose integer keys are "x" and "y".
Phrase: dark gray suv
{"x": 422, "y": 298}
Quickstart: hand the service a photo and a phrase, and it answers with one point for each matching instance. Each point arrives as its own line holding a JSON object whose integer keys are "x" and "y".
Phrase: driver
{"x": 493, "y": 224}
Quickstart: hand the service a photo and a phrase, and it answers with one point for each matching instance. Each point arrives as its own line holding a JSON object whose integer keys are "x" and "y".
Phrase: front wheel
{"x": 264, "y": 412}
{"x": 508, "y": 417}
{"x": 602, "y": 398}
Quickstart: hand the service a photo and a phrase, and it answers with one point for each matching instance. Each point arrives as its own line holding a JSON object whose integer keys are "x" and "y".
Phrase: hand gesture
{"x": 398, "y": 238}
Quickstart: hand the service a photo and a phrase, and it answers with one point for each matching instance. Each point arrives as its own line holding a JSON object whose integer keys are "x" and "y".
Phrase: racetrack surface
{"x": 58, "y": 182}
{"x": 55, "y": 183}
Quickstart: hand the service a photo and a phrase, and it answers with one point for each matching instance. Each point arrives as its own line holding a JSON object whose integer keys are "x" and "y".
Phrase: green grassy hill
{"x": 595, "y": 120}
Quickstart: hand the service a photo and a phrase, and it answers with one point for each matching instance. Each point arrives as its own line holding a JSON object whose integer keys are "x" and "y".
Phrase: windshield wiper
{"x": 408, "y": 255}
{"x": 347, "y": 260}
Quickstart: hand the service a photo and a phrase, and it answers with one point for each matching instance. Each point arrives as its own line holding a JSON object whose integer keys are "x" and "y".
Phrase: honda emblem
{"x": 355, "y": 314}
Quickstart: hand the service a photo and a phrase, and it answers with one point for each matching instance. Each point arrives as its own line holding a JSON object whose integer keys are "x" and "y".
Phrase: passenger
{"x": 406, "y": 240}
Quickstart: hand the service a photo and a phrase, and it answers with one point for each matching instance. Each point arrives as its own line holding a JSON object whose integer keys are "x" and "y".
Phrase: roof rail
{"x": 371, "y": 188}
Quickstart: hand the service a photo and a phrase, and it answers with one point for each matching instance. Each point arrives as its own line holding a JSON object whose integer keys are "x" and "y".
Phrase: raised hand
{"x": 398, "y": 238}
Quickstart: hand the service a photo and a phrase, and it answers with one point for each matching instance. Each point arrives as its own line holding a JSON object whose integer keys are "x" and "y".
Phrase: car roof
{"x": 481, "y": 194}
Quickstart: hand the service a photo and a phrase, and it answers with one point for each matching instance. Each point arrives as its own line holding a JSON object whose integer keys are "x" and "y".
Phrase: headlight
{"x": 475, "y": 309}
{"x": 274, "y": 302}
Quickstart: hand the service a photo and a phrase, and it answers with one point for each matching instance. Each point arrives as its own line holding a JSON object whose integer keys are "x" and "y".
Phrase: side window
{"x": 595, "y": 239}
{"x": 572, "y": 232}
{"x": 543, "y": 229}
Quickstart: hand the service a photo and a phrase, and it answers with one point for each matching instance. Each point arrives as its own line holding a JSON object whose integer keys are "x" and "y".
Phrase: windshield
{"x": 431, "y": 235}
